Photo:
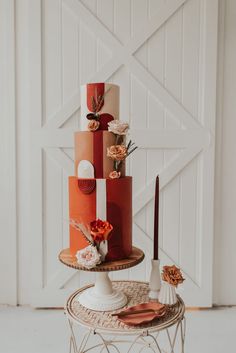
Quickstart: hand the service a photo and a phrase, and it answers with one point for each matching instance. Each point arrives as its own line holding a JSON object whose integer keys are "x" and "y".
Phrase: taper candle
{"x": 156, "y": 220}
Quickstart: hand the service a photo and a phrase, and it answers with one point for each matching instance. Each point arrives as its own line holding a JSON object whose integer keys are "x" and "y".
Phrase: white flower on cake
{"x": 118, "y": 127}
{"x": 88, "y": 257}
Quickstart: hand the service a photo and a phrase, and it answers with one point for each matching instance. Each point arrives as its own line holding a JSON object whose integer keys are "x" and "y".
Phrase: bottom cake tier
{"x": 87, "y": 197}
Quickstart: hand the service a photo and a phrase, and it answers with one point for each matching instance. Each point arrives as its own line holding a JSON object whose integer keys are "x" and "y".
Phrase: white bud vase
{"x": 103, "y": 249}
{"x": 167, "y": 294}
{"x": 155, "y": 280}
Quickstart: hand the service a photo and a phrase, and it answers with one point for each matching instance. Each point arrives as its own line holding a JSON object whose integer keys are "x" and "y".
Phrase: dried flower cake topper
{"x": 95, "y": 117}
{"x": 97, "y": 103}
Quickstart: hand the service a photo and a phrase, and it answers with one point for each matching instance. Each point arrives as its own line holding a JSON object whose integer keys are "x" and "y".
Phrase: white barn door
{"x": 162, "y": 53}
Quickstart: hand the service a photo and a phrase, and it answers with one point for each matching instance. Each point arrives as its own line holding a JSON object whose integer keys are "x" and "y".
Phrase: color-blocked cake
{"x": 100, "y": 193}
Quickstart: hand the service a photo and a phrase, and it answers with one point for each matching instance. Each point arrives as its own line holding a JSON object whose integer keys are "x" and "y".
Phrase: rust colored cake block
{"x": 82, "y": 208}
{"x": 119, "y": 214}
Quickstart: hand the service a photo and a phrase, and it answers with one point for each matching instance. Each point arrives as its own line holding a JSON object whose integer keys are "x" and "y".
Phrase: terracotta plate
{"x": 142, "y": 318}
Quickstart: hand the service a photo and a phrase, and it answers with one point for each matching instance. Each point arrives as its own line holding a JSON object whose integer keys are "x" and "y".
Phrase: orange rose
{"x": 100, "y": 230}
{"x": 93, "y": 125}
{"x": 117, "y": 152}
{"x": 172, "y": 275}
{"x": 114, "y": 175}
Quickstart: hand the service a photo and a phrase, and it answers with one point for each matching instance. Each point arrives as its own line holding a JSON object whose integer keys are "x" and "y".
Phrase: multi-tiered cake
{"x": 100, "y": 194}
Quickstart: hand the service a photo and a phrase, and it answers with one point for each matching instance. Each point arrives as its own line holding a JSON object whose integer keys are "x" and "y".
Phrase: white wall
{"x": 15, "y": 264}
{"x": 225, "y": 190}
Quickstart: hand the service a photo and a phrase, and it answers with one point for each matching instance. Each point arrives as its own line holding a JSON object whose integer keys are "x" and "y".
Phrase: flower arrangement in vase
{"x": 171, "y": 278}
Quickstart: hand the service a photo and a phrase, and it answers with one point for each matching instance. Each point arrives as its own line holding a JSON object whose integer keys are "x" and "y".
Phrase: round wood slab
{"x": 134, "y": 259}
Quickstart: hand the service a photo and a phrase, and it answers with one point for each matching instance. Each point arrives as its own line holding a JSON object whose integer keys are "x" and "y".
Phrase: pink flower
{"x": 114, "y": 175}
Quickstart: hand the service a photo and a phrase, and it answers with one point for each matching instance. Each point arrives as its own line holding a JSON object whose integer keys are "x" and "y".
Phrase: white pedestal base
{"x": 102, "y": 297}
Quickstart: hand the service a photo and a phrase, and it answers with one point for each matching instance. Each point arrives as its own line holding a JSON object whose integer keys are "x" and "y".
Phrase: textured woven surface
{"x": 137, "y": 292}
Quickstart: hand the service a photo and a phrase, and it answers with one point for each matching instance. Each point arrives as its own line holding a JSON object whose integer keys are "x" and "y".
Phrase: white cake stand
{"x": 102, "y": 296}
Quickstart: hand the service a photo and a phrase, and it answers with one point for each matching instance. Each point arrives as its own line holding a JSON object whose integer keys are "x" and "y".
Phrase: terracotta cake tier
{"x": 83, "y": 209}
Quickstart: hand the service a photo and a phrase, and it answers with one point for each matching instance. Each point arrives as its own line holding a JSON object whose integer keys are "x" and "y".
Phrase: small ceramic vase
{"x": 103, "y": 249}
{"x": 167, "y": 294}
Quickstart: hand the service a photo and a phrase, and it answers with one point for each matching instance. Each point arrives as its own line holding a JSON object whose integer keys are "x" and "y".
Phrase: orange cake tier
{"x": 92, "y": 146}
{"x": 83, "y": 208}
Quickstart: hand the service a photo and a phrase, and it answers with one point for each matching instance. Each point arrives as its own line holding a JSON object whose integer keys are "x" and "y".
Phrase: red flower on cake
{"x": 100, "y": 230}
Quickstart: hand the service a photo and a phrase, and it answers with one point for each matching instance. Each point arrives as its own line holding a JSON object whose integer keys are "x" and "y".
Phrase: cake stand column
{"x": 102, "y": 296}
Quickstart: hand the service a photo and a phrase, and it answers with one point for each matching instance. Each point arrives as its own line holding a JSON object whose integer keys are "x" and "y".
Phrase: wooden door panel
{"x": 156, "y": 51}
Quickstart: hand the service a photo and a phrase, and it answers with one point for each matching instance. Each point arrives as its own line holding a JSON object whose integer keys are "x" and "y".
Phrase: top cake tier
{"x": 99, "y": 105}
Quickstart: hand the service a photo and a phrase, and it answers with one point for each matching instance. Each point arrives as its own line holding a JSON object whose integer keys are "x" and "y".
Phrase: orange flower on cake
{"x": 172, "y": 275}
{"x": 118, "y": 127}
{"x": 117, "y": 152}
{"x": 93, "y": 125}
{"x": 100, "y": 230}
{"x": 114, "y": 175}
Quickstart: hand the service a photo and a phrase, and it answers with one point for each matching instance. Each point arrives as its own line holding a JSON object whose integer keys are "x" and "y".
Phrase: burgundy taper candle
{"x": 156, "y": 220}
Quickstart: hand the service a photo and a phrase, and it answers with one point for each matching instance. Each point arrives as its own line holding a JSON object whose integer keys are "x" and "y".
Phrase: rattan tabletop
{"x": 136, "y": 292}
{"x": 134, "y": 259}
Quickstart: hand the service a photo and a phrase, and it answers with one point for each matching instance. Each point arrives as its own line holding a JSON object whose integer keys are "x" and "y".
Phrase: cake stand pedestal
{"x": 102, "y": 296}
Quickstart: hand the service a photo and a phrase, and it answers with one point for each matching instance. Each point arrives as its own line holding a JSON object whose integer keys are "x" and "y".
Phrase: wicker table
{"x": 101, "y": 325}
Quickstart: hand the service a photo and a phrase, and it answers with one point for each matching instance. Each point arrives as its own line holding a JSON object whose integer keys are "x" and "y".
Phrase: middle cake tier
{"x": 92, "y": 147}
{"x": 106, "y": 199}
